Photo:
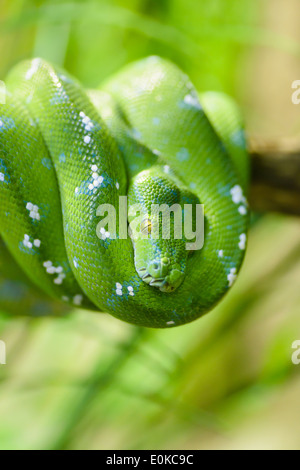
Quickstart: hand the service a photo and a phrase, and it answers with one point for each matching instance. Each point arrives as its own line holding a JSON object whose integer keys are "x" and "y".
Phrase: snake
{"x": 145, "y": 136}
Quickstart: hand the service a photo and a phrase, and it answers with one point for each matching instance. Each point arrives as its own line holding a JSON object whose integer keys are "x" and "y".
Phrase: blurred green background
{"x": 227, "y": 381}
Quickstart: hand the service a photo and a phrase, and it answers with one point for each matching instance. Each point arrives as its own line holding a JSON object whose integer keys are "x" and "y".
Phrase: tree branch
{"x": 275, "y": 181}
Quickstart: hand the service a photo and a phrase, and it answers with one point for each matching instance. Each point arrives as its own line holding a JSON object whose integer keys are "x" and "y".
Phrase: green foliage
{"x": 225, "y": 381}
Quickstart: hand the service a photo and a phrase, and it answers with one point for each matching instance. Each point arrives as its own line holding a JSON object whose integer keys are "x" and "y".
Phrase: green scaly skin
{"x": 144, "y": 134}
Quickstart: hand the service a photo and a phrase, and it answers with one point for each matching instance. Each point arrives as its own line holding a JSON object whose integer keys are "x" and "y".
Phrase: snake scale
{"x": 146, "y": 134}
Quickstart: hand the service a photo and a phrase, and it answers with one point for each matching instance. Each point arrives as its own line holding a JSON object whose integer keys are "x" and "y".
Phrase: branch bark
{"x": 275, "y": 181}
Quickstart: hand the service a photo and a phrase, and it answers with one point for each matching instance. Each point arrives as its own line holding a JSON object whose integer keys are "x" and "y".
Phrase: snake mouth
{"x": 150, "y": 280}
{"x": 166, "y": 287}
{"x": 161, "y": 283}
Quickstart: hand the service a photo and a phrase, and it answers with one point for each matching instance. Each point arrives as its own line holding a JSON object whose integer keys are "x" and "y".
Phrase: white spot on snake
{"x": 237, "y": 195}
{"x": 157, "y": 153}
{"x": 2, "y": 177}
{"x": 76, "y": 190}
{"x": 47, "y": 264}
{"x": 37, "y": 243}
{"x": 98, "y": 180}
{"x": 1, "y": 123}
{"x": 192, "y": 101}
{"x": 86, "y": 121}
{"x": 104, "y": 234}
{"x": 242, "y": 243}
{"x": 130, "y": 291}
{"x": 51, "y": 270}
{"x": 232, "y": 276}
{"x": 87, "y": 139}
{"x": 119, "y": 288}
{"x": 77, "y": 300}
{"x": 60, "y": 278}
{"x": 221, "y": 254}
{"x": 65, "y": 298}
{"x": 33, "y": 211}
{"x": 167, "y": 169}
{"x": 34, "y": 215}
{"x": 75, "y": 263}
{"x": 26, "y": 241}
{"x": 242, "y": 210}
{"x": 117, "y": 185}
{"x": 170, "y": 323}
{"x": 35, "y": 64}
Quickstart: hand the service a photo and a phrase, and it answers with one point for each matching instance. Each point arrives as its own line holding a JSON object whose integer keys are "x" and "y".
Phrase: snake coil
{"x": 142, "y": 134}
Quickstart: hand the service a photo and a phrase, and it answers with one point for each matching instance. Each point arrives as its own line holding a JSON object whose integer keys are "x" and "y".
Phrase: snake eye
{"x": 146, "y": 226}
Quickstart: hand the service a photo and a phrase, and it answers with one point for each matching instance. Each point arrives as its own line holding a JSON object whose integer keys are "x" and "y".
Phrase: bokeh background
{"x": 227, "y": 381}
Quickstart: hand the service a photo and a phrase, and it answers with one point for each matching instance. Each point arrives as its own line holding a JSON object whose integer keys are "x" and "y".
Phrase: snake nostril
{"x": 155, "y": 269}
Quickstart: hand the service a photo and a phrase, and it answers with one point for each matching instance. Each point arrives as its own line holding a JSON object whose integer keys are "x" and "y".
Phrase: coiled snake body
{"x": 64, "y": 152}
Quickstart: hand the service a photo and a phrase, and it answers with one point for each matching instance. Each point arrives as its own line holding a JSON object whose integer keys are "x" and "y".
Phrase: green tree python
{"x": 145, "y": 134}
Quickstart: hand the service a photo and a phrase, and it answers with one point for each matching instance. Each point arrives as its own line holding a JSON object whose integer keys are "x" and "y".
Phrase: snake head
{"x": 159, "y": 267}
{"x": 156, "y": 215}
